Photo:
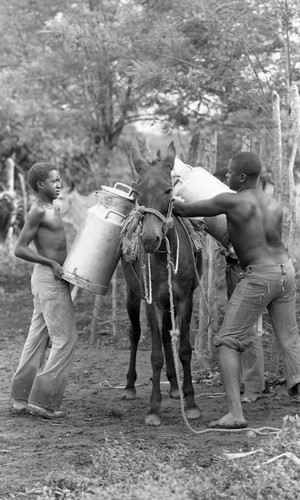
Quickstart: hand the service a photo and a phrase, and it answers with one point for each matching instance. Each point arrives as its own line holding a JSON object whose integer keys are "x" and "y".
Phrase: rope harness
{"x": 131, "y": 249}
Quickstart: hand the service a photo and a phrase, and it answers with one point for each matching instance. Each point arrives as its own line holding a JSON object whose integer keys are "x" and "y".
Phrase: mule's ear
{"x": 169, "y": 159}
{"x": 138, "y": 162}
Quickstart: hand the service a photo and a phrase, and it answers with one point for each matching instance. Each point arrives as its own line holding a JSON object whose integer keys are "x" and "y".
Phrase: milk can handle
{"x": 114, "y": 212}
{"x": 128, "y": 188}
{"x": 176, "y": 179}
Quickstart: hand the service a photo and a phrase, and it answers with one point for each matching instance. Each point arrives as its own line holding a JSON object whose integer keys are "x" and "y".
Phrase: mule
{"x": 148, "y": 278}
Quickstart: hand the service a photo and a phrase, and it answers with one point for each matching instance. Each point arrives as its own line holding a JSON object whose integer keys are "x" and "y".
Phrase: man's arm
{"x": 217, "y": 205}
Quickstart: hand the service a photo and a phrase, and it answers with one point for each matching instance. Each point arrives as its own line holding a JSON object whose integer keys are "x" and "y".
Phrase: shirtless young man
{"x": 252, "y": 359}
{"x": 38, "y": 385}
{"x": 254, "y": 222}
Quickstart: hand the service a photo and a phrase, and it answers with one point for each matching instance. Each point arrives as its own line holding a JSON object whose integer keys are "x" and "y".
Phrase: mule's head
{"x": 153, "y": 190}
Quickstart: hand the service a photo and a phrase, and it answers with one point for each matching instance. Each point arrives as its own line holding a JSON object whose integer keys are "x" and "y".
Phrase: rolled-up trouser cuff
{"x": 230, "y": 342}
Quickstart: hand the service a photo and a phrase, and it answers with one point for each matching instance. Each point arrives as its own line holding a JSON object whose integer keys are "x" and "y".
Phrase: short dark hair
{"x": 247, "y": 163}
{"x": 39, "y": 172}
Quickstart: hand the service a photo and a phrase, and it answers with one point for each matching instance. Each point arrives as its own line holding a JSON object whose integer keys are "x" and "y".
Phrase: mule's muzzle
{"x": 151, "y": 243}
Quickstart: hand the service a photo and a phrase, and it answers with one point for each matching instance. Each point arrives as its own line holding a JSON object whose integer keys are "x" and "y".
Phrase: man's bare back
{"x": 254, "y": 222}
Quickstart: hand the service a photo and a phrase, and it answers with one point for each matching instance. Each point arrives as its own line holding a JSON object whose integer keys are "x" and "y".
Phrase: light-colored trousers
{"x": 39, "y": 381}
{"x": 252, "y": 365}
{"x": 252, "y": 360}
{"x": 261, "y": 287}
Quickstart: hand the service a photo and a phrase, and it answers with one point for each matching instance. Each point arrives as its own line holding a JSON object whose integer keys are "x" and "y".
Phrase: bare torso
{"x": 50, "y": 238}
{"x": 43, "y": 227}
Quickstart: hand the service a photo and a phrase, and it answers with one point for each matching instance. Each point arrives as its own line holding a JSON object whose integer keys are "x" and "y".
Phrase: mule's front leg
{"x": 133, "y": 309}
{"x": 157, "y": 361}
{"x": 185, "y": 355}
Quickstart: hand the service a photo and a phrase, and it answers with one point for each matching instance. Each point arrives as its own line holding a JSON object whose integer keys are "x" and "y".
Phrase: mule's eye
{"x": 169, "y": 191}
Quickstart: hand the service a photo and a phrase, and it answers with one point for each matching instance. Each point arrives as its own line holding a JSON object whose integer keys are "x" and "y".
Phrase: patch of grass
{"x": 123, "y": 470}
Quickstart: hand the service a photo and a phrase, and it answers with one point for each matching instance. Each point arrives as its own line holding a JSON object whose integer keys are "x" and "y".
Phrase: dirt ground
{"x": 31, "y": 447}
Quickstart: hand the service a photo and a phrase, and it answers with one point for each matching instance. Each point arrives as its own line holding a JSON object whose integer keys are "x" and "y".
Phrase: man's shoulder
{"x": 36, "y": 205}
{"x": 252, "y": 194}
{"x": 37, "y": 211}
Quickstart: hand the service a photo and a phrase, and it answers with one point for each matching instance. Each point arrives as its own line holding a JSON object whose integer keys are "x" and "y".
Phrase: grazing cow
{"x": 7, "y": 213}
{"x": 164, "y": 271}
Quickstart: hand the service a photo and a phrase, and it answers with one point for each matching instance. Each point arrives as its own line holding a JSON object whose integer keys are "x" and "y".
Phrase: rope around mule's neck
{"x": 141, "y": 211}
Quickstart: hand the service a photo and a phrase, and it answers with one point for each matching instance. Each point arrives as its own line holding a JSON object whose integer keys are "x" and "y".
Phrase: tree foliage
{"x": 73, "y": 75}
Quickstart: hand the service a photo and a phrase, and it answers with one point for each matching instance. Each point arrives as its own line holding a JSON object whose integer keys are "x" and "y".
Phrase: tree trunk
{"x": 207, "y": 325}
{"x": 10, "y": 169}
{"x": 277, "y": 146}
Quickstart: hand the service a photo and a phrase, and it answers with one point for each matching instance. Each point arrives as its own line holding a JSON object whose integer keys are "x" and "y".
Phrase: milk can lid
{"x": 119, "y": 192}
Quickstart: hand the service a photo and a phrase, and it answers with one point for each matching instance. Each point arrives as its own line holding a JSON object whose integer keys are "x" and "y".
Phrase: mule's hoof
{"x": 153, "y": 419}
{"x": 174, "y": 393}
{"x": 192, "y": 413}
{"x": 129, "y": 394}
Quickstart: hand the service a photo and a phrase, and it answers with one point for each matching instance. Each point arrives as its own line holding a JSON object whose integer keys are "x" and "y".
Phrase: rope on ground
{"x": 211, "y": 395}
{"x": 266, "y": 431}
{"x": 107, "y": 385}
{"x": 263, "y": 431}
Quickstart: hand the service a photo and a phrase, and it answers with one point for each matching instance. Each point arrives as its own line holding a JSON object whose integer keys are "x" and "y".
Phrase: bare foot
{"x": 250, "y": 397}
{"x": 228, "y": 422}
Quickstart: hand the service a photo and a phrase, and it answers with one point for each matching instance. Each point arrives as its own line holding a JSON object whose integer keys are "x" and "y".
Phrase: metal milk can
{"x": 96, "y": 250}
{"x": 196, "y": 184}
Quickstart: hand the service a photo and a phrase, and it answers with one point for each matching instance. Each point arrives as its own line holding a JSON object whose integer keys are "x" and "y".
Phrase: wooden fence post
{"x": 206, "y": 329}
{"x": 95, "y": 316}
{"x": 284, "y": 190}
{"x": 10, "y": 169}
{"x": 277, "y": 146}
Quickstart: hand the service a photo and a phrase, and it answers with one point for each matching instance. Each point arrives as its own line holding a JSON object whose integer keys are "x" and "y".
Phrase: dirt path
{"x": 31, "y": 448}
